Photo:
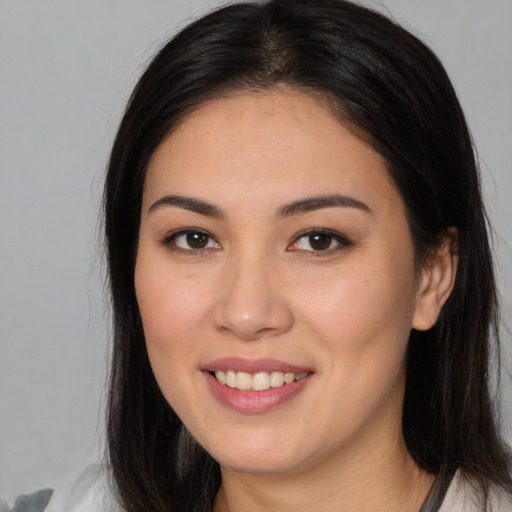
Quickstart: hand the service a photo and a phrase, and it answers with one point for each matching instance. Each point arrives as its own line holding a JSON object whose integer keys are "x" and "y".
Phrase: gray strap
{"x": 437, "y": 493}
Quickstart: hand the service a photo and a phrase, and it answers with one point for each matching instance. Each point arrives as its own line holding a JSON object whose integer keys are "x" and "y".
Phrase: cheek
{"x": 364, "y": 315}
{"x": 363, "y": 324}
{"x": 170, "y": 311}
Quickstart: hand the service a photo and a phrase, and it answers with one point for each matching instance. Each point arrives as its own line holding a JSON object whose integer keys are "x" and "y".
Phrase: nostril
{"x": 249, "y": 321}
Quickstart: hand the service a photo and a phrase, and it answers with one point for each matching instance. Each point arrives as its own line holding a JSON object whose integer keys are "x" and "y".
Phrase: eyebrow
{"x": 301, "y": 206}
{"x": 188, "y": 203}
{"x": 309, "y": 204}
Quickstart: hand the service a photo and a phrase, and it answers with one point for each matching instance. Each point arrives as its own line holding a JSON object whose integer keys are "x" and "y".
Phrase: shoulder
{"x": 89, "y": 493}
{"x": 461, "y": 496}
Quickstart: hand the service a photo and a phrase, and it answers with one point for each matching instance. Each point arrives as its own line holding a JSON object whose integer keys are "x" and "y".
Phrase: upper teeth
{"x": 259, "y": 381}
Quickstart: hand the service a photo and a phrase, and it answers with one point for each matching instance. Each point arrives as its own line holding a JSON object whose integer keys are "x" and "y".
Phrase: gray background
{"x": 66, "y": 69}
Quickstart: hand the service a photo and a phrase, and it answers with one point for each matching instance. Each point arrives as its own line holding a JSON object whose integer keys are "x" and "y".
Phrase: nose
{"x": 251, "y": 303}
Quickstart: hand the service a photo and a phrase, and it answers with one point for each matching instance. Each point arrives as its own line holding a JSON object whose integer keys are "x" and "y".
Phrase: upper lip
{"x": 239, "y": 364}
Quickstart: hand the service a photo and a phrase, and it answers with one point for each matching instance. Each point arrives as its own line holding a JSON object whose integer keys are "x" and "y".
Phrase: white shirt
{"x": 91, "y": 494}
{"x": 462, "y": 497}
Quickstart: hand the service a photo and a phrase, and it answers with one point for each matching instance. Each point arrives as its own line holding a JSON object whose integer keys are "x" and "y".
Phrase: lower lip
{"x": 253, "y": 402}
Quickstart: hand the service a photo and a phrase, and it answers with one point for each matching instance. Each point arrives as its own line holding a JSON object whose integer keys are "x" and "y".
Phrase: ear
{"x": 436, "y": 281}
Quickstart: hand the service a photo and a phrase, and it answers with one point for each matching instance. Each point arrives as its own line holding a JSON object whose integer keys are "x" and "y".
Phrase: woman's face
{"x": 273, "y": 247}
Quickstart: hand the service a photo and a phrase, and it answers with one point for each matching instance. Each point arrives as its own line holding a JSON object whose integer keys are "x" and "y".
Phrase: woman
{"x": 302, "y": 285}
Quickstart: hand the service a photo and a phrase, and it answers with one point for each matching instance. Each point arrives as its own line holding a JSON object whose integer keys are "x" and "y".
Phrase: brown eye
{"x": 197, "y": 240}
{"x": 191, "y": 241}
{"x": 320, "y": 241}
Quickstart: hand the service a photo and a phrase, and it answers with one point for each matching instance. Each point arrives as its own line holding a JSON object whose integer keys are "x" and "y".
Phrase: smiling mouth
{"x": 259, "y": 381}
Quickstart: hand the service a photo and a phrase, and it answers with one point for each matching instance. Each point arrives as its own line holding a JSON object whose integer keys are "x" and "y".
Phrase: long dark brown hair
{"x": 387, "y": 84}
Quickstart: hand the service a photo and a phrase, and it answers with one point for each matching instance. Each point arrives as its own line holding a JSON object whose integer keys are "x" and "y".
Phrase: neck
{"x": 391, "y": 483}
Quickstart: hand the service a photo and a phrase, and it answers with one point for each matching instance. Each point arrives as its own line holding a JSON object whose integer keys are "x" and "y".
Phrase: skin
{"x": 260, "y": 290}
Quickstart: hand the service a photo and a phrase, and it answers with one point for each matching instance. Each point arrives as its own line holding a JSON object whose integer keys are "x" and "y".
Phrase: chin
{"x": 264, "y": 457}
{"x": 261, "y": 465}
{"x": 259, "y": 456}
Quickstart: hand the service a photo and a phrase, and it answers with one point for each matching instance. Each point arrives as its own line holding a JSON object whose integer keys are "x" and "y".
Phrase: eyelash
{"x": 341, "y": 240}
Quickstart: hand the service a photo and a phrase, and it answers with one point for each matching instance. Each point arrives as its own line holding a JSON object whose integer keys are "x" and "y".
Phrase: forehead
{"x": 257, "y": 143}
